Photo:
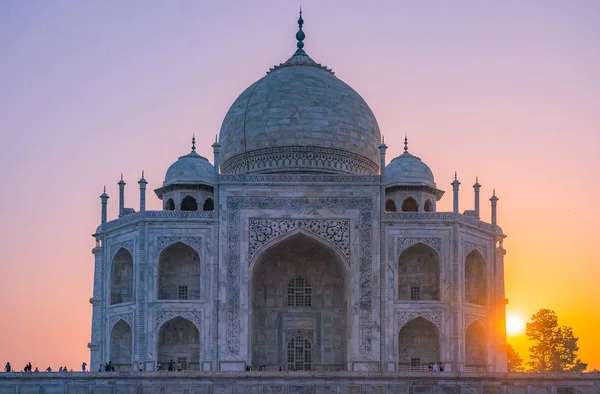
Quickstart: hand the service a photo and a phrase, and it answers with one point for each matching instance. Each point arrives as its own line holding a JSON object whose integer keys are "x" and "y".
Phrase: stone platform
{"x": 297, "y": 383}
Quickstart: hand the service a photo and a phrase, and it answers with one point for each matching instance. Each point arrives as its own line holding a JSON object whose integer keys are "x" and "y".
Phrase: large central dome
{"x": 300, "y": 118}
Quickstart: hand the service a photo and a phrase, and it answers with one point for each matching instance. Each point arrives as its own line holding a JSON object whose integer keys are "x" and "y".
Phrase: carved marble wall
{"x": 419, "y": 274}
{"x": 281, "y": 303}
{"x": 179, "y": 273}
{"x": 121, "y": 346}
{"x": 419, "y": 340}
{"x": 121, "y": 283}
{"x": 475, "y": 279}
{"x": 179, "y": 339}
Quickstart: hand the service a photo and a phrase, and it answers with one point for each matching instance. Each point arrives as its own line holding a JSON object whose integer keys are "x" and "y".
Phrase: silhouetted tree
{"x": 555, "y": 347}
{"x": 515, "y": 362}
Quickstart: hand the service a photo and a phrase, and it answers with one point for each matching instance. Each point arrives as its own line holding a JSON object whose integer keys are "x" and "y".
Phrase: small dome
{"x": 190, "y": 169}
{"x": 408, "y": 170}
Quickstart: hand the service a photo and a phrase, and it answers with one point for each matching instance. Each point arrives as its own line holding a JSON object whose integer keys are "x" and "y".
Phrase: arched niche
{"x": 410, "y": 205}
{"x": 418, "y": 345}
{"x": 475, "y": 279}
{"x": 179, "y": 341}
{"x": 189, "y": 203}
{"x": 390, "y": 205}
{"x": 419, "y": 274}
{"x": 475, "y": 347}
{"x": 121, "y": 278}
{"x": 428, "y": 206}
{"x": 121, "y": 343}
{"x": 299, "y": 293}
{"x": 209, "y": 205}
{"x": 169, "y": 205}
{"x": 179, "y": 273}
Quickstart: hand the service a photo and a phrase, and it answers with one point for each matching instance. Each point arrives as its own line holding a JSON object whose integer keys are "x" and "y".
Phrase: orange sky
{"x": 505, "y": 91}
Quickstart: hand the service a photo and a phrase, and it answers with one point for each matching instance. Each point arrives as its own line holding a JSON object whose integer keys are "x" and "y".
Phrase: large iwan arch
{"x": 299, "y": 306}
{"x": 121, "y": 346}
{"x": 419, "y": 274}
{"x": 121, "y": 278}
{"x": 179, "y": 273}
{"x": 475, "y": 279}
{"x": 418, "y": 345}
{"x": 179, "y": 341}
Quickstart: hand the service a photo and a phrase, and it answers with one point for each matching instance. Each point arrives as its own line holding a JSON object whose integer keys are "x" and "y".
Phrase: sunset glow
{"x": 515, "y": 325}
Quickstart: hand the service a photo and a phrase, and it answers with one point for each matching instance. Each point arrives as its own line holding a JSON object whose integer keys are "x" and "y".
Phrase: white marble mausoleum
{"x": 299, "y": 248}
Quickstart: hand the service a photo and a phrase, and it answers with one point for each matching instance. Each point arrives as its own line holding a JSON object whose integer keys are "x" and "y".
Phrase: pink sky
{"x": 508, "y": 91}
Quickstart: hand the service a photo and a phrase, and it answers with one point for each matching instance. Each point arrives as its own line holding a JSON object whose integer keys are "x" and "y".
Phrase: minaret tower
{"x": 494, "y": 201}
{"x": 455, "y": 185}
{"x": 476, "y": 187}
{"x": 121, "y": 195}
{"x": 143, "y": 184}
{"x": 104, "y": 197}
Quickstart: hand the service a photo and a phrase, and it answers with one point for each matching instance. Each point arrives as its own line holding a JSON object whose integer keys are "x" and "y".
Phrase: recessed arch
{"x": 418, "y": 344}
{"x": 121, "y": 277}
{"x": 410, "y": 205}
{"x": 209, "y": 205}
{"x": 189, "y": 203}
{"x": 419, "y": 274}
{"x": 121, "y": 346}
{"x": 428, "y": 206}
{"x": 179, "y": 273}
{"x": 179, "y": 342}
{"x": 475, "y": 279}
{"x": 390, "y": 205}
{"x": 475, "y": 347}
{"x": 170, "y": 205}
{"x": 305, "y": 262}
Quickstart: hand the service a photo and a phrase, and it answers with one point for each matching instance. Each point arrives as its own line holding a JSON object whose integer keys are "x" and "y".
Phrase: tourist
{"x": 158, "y": 367}
{"x": 436, "y": 367}
{"x": 179, "y": 365}
{"x": 36, "y": 369}
{"x": 60, "y": 369}
{"x": 48, "y": 369}
{"x": 441, "y": 367}
{"x": 7, "y": 368}
{"x": 430, "y": 367}
{"x": 100, "y": 368}
{"x": 83, "y": 366}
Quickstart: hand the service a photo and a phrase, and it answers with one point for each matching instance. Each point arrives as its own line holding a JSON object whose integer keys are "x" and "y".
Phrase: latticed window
{"x": 299, "y": 292}
{"x": 415, "y": 363}
{"x": 182, "y": 293}
{"x": 182, "y": 363}
{"x": 299, "y": 354}
{"x": 415, "y": 293}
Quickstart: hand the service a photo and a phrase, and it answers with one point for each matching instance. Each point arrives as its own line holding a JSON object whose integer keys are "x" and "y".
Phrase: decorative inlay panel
{"x": 297, "y": 178}
{"x": 289, "y": 334}
{"x": 127, "y": 245}
{"x": 336, "y": 232}
{"x": 405, "y": 242}
{"x": 126, "y": 317}
{"x": 164, "y": 316}
{"x": 471, "y": 246}
{"x": 205, "y": 215}
{"x": 469, "y": 318}
{"x": 364, "y": 306}
{"x": 163, "y": 242}
{"x": 403, "y": 317}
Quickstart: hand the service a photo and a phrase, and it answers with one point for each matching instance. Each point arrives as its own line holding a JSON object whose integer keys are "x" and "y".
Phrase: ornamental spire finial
{"x": 405, "y": 143}
{"x": 142, "y": 173}
{"x": 455, "y": 175}
{"x": 104, "y": 188}
{"x": 300, "y": 36}
{"x": 193, "y": 142}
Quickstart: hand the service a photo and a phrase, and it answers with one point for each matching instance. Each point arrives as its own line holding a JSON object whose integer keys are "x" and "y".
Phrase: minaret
{"x": 494, "y": 201}
{"x": 455, "y": 185}
{"x": 143, "y": 184}
{"x": 476, "y": 186}
{"x": 104, "y": 197}
{"x": 382, "y": 149}
{"x": 121, "y": 196}
{"x": 216, "y": 149}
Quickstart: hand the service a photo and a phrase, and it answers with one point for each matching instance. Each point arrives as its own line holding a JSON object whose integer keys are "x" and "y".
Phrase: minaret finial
{"x": 121, "y": 176}
{"x": 193, "y": 142}
{"x": 405, "y": 143}
{"x": 455, "y": 175}
{"x": 104, "y": 188}
{"x": 476, "y": 179}
{"x": 215, "y": 138}
{"x": 142, "y": 173}
{"x": 494, "y": 192}
{"x": 300, "y": 36}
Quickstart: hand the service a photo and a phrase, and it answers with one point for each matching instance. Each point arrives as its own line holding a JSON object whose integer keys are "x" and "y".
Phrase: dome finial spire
{"x": 300, "y": 36}
{"x": 193, "y": 142}
{"x": 405, "y": 143}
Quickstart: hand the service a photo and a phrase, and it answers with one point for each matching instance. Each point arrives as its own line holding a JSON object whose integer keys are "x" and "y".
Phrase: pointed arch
{"x": 317, "y": 273}
{"x": 390, "y": 205}
{"x": 475, "y": 279}
{"x": 121, "y": 346}
{"x": 121, "y": 277}
{"x": 189, "y": 203}
{"x": 418, "y": 344}
{"x": 428, "y": 207}
{"x": 179, "y": 273}
{"x": 475, "y": 347}
{"x": 179, "y": 341}
{"x": 410, "y": 205}
{"x": 169, "y": 205}
{"x": 419, "y": 273}
{"x": 209, "y": 205}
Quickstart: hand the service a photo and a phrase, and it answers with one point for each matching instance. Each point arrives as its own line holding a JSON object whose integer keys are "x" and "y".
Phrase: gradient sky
{"x": 508, "y": 91}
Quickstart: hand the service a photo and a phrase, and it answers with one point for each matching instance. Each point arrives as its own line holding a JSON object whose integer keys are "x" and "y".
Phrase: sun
{"x": 515, "y": 325}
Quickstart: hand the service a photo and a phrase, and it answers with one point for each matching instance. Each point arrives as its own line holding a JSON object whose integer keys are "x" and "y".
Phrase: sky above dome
{"x": 507, "y": 91}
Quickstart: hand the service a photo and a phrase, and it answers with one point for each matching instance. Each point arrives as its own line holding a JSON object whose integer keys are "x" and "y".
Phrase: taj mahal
{"x": 298, "y": 249}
